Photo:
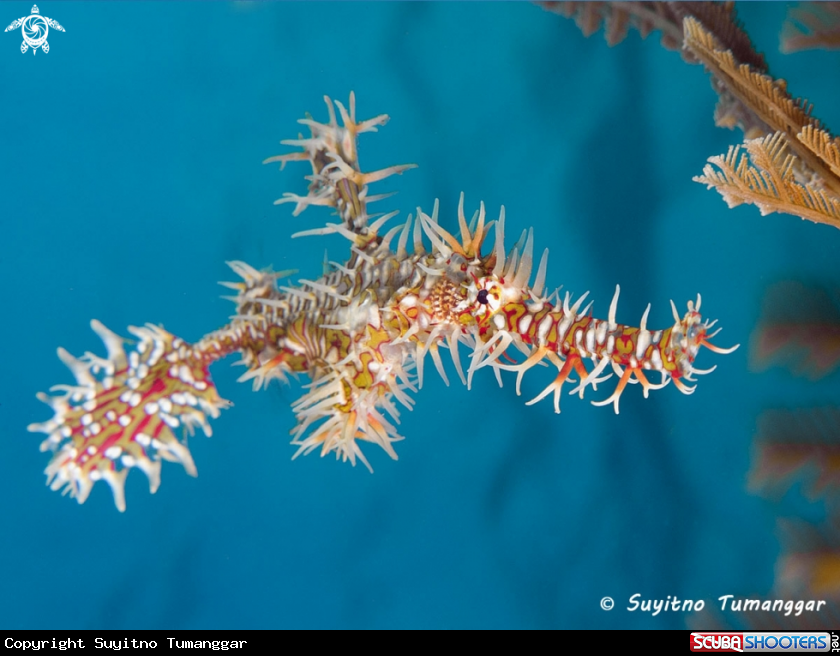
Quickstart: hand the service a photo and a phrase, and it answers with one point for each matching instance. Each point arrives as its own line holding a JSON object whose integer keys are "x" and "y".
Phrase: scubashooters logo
{"x": 34, "y": 29}
{"x": 800, "y": 642}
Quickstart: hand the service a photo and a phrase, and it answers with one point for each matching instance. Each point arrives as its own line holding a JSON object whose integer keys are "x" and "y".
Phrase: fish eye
{"x": 482, "y": 297}
{"x": 694, "y": 331}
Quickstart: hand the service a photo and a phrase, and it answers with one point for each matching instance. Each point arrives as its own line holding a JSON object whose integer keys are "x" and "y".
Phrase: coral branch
{"x": 795, "y": 170}
{"x": 812, "y": 25}
{"x": 618, "y": 17}
{"x": 765, "y": 176}
{"x": 789, "y": 444}
{"x": 799, "y": 329}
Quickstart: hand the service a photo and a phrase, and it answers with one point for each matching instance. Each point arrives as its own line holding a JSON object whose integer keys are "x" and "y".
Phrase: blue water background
{"x": 130, "y": 171}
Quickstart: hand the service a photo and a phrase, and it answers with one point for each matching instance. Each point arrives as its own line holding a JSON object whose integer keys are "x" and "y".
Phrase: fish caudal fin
{"x": 124, "y": 411}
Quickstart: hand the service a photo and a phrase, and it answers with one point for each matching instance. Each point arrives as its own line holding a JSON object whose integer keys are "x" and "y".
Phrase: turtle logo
{"x": 35, "y": 29}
